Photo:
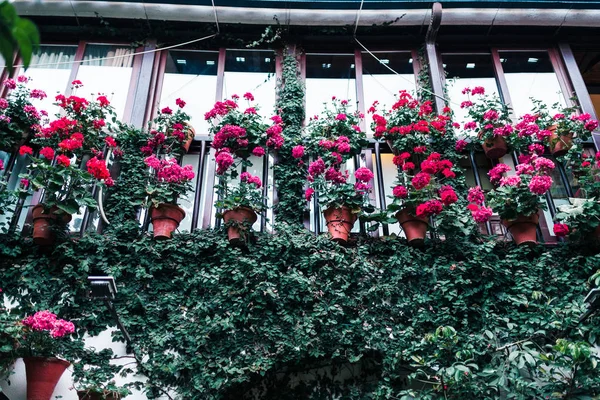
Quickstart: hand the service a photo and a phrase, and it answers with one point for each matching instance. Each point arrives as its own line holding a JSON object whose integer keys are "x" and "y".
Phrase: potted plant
{"x": 70, "y": 161}
{"x": 237, "y": 136}
{"x": 336, "y": 138}
{"x": 240, "y": 203}
{"x": 564, "y": 126}
{"x": 518, "y": 198}
{"x": 243, "y": 133}
{"x": 420, "y": 193}
{"x": 491, "y": 124}
{"x": 409, "y": 123}
{"x": 581, "y": 218}
{"x": 19, "y": 119}
{"x": 40, "y": 342}
{"x": 172, "y": 129}
{"x": 167, "y": 182}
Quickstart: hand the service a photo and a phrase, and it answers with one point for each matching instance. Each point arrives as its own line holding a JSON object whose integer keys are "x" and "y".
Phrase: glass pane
{"x": 329, "y": 75}
{"x": 530, "y": 74}
{"x": 106, "y": 69}
{"x": 187, "y": 202}
{"x": 467, "y": 70}
{"x": 49, "y": 71}
{"x": 588, "y": 61}
{"x": 192, "y": 77}
{"x": 251, "y": 71}
{"x": 390, "y": 172}
{"x": 381, "y": 84}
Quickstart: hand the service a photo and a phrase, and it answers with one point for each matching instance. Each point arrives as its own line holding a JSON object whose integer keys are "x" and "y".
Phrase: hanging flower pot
{"x": 190, "y": 134}
{"x": 559, "y": 145}
{"x": 523, "y": 228}
{"x": 339, "y": 223}
{"x": 165, "y": 219}
{"x": 43, "y": 223}
{"x": 238, "y": 221}
{"x": 415, "y": 228}
{"x": 42, "y": 376}
{"x": 495, "y": 148}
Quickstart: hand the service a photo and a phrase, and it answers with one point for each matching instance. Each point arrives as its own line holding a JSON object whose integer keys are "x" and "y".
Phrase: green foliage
{"x": 16, "y": 34}
{"x": 210, "y": 321}
{"x": 289, "y": 173}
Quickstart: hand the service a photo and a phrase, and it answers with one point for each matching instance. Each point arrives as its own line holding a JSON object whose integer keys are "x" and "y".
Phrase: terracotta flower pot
{"x": 559, "y": 145}
{"x": 43, "y": 222}
{"x": 495, "y": 148}
{"x": 165, "y": 219}
{"x": 89, "y": 395}
{"x": 237, "y": 233}
{"x": 191, "y": 133}
{"x": 339, "y": 223}
{"x": 523, "y": 229}
{"x": 42, "y": 376}
{"x": 415, "y": 228}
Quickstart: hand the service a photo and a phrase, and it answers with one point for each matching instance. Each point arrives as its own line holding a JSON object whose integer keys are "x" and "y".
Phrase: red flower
{"x": 363, "y": 174}
{"x": 110, "y": 141}
{"x": 561, "y": 230}
{"x": 400, "y": 192}
{"x": 298, "y": 151}
{"x": 166, "y": 110}
{"x": 309, "y": 193}
{"x": 103, "y": 101}
{"x": 63, "y": 160}
{"x": 258, "y": 151}
{"x": 97, "y": 168}
{"x": 180, "y": 103}
{"x": 248, "y": 96}
{"x": 25, "y": 150}
{"x": 420, "y": 180}
{"x": 76, "y": 82}
{"x": 448, "y": 195}
{"x": 47, "y": 152}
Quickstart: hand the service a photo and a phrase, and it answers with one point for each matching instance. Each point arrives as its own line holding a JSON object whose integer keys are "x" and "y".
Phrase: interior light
{"x": 181, "y": 62}
{"x": 503, "y": 60}
{"x": 326, "y": 65}
{"x": 384, "y": 61}
{"x": 532, "y": 60}
{"x": 351, "y": 65}
{"x": 410, "y": 60}
{"x": 470, "y": 65}
{"x": 444, "y": 65}
{"x": 240, "y": 59}
{"x": 267, "y": 60}
{"x": 210, "y": 62}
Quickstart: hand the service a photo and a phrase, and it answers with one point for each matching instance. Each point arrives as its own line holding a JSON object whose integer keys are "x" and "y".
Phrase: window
{"x": 191, "y": 76}
{"x": 106, "y": 69}
{"x": 251, "y": 71}
{"x": 329, "y": 75}
{"x": 467, "y": 70}
{"x": 530, "y": 74}
{"x": 50, "y": 71}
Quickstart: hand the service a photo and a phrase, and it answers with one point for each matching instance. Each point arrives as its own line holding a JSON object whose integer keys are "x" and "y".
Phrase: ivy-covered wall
{"x": 467, "y": 317}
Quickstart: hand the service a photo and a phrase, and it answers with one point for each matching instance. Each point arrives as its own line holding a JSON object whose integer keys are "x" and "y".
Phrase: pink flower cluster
{"x": 274, "y": 133}
{"x": 479, "y": 212}
{"x": 224, "y": 160}
{"x": 298, "y": 151}
{"x": 220, "y": 108}
{"x": 249, "y": 178}
{"x": 168, "y": 170}
{"x": 429, "y": 208}
{"x": 228, "y": 134}
{"x": 47, "y": 321}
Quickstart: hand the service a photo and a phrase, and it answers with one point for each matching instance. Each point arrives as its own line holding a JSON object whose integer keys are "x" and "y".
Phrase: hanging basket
{"x": 415, "y": 228}
{"x": 190, "y": 134}
{"x": 165, "y": 219}
{"x": 523, "y": 229}
{"x": 45, "y": 222}
{"x": 559, "y": 145}
{"x": 339, "y": 223}
{"x": 42, "y": 376}
{"x": 239, "y": 220}
{"x": 495, "y": 148}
